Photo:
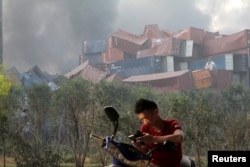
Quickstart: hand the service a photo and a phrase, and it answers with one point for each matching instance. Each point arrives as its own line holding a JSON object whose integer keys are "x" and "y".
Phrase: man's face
{"x": 147, "y": 117}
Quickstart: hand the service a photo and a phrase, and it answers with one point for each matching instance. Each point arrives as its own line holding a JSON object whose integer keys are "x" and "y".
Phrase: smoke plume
{"x": 49, "y": 33}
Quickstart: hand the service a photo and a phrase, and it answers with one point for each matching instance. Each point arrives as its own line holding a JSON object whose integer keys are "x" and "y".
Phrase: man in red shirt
{"x": 157, "y": 131}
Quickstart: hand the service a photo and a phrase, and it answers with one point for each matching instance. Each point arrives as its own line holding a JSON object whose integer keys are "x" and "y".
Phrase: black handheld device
{"x": 134, "y": 136}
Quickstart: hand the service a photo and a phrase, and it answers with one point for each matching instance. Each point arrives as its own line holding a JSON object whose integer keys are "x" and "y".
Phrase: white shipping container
{"x": 229, "y": 62}
{"x": 170, "y": 63}
{"x": 189, "y": 48}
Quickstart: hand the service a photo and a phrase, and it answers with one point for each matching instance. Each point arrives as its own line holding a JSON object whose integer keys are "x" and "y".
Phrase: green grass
{"x": 8, "y": 165}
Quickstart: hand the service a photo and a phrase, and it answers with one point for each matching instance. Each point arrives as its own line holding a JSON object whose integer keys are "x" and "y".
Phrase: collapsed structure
{"x": 171, "y": 61}
{"x": 168, "y": 61}
{"x": 34, "y": 76}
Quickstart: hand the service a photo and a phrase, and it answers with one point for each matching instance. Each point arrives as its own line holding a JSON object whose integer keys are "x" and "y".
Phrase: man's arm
{"x": 176, "y": 137}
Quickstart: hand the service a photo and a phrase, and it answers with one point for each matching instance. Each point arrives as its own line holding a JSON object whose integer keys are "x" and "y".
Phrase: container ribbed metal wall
{"x": 140, "y": 66}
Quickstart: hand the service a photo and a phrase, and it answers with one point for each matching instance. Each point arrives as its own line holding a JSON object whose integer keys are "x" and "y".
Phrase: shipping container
{"x": 221, "y": 62}
{"x": 129, "y": 43}
{"x": 141, "y": 66}
{"x": 183, "y": 66}
{"x": 109, "y": 43}
{"x": 190, "y": 49}
{"x": 229, "y": 63}
{"x": 130, "y": 67}
{"x": 112, "y": 55}
{"x": 236, "y": 62}
{"x": 93, "y": 47}
{"x": 202, "y": 79}
{"x": 241, "y": 78}
{"x": 169, "y": 63}
{"x": 240, "y": 62}
{"x": 165, "y": 82}
{"x": 226, "y": 44}
{"x": 94, "y": 59}
{"x": 222, "y": 78}
{"x": 92, "y": 51}
{"x": 192, "y": 33}
{"x": 166, "y": 47}
{"x": 186, "y": 48}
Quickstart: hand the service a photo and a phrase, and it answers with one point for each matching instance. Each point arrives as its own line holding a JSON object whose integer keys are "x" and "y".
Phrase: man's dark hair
{"x": 145, "y": 105}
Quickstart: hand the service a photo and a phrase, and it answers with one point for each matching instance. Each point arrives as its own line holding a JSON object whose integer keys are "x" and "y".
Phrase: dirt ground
{"x": 8, "y": 160}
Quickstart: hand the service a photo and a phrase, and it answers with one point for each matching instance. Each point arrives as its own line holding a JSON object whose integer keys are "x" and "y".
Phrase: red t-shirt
{"x": 164, "y": 158}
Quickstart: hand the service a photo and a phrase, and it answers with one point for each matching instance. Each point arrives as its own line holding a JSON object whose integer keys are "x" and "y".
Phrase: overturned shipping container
{"x": 202, "y": 79}
{"x": 165, "y": 82}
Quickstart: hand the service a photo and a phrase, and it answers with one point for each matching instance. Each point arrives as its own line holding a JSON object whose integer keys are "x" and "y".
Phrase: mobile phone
{"x": 134, "y": 136}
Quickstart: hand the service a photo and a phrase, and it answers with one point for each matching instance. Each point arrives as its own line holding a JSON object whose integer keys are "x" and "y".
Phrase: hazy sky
{"x": 49, "y": 33}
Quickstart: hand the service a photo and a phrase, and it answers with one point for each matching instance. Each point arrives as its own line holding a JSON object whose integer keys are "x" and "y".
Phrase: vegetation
{"x": 4, "y": 90}
{"x": 52, "y": 128}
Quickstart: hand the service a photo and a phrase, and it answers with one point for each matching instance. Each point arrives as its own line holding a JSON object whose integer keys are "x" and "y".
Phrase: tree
{"x": 32, "y": 138}
{"x": 196, "y": 111}
{"x": 4, "y": 90}
{"x": 73, "y": 101}
{"x": 236, "y": 121}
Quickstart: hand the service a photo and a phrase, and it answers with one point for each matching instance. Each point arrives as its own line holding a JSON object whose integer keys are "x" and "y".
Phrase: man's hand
{"x": 146, "y": 138}
{"x": 176, "y": 137}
